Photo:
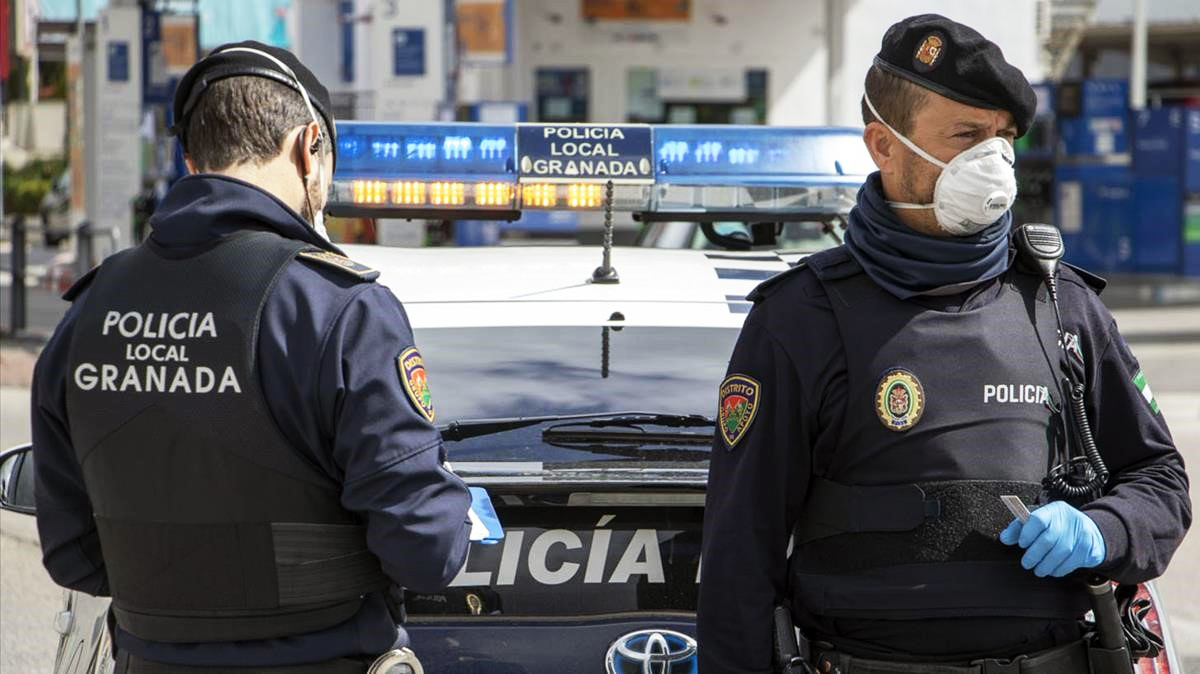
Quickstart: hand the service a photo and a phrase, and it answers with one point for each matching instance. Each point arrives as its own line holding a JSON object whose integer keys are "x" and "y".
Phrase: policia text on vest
{"x": 156, "y": 356}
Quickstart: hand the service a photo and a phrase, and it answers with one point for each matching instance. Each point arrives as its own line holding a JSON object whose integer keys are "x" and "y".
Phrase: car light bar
{"x": 488, "y": 171}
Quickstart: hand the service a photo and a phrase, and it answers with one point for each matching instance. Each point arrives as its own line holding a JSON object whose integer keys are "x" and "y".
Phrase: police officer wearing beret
{"x": 232, "y": 426}
{"x": 885, "y": 393}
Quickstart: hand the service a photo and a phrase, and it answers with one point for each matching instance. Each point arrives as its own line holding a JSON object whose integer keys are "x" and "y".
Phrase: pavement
{"x": 1166, "y": 340}
{"x": 29, "y": 600}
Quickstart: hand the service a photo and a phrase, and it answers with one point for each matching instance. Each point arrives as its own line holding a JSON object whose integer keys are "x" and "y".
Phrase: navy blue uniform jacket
{"x": 327, "y": 348}
{"x": 791, "y": 345}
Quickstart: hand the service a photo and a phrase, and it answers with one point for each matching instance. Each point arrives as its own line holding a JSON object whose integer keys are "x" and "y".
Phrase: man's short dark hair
{"x": 245, "y": 119}
{"x": 896, "y": 99}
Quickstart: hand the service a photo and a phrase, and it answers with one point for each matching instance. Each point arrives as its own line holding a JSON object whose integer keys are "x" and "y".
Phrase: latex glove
{"x": 1058, "y": 539}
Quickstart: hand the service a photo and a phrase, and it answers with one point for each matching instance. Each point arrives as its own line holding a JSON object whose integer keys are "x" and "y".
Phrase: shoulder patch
{"x": 411, "y": 367}
{"x": 343, "y": 264}
{"x": 738, "y": 407}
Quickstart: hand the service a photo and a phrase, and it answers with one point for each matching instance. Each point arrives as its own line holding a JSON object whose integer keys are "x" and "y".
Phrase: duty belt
{"x": 1069, "y": 659}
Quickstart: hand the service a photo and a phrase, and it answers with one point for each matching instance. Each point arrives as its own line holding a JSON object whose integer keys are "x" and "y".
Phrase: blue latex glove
{"x": 485, "y": 524}
{"x": 1058, "y": 539}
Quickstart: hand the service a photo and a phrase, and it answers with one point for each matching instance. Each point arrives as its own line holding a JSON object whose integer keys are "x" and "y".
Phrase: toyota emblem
{"x": 652, "y": 652}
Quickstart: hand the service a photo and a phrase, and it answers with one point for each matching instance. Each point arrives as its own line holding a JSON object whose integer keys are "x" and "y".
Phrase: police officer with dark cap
{"x": 884, "y": 394}
{"x": 232, "y": 426}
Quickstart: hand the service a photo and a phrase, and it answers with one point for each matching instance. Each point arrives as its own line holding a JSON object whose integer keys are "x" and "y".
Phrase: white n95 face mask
{"x": 977, "y": 187}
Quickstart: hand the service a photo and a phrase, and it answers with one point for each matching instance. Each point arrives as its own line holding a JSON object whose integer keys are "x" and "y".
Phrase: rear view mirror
{"x": 16, "y": 480}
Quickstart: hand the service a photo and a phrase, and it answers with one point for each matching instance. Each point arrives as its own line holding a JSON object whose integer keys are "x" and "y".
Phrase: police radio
{"x": 1041, "y": 247}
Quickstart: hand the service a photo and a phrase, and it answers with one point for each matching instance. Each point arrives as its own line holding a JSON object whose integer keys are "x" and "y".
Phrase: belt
{"x": 131, "y": 664}
{"x": 1069, "y": 659}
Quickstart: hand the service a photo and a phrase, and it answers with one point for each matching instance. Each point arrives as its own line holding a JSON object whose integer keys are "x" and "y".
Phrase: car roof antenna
{"x": 605, "y": 272}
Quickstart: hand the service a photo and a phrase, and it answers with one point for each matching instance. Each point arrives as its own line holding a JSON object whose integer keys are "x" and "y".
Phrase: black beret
{"x": 955, "y": 61}
{"x": 222, "y": 63}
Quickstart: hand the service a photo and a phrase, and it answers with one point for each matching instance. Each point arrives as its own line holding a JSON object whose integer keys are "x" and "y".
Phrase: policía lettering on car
{"x": 558, "y": 556}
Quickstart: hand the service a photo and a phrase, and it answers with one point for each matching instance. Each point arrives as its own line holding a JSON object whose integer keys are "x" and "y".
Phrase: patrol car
{"x": 576, "y": 384}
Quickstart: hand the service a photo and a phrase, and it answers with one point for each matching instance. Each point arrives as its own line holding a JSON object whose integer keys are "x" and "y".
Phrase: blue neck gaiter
{"x": 906, "y": 262}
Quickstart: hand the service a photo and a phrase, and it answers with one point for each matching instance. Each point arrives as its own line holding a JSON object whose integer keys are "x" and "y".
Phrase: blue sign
{"x": 118, "y": 61}
{"x": 408, "y": 51}
{"x": 346, "y": 16}
{"x": 586, "y": 153}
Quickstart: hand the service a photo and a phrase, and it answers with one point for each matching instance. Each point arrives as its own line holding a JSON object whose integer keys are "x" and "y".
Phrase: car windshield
{"x": 488, "y": 373}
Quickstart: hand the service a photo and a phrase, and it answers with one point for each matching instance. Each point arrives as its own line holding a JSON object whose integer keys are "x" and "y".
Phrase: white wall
{"x": 38, "y": 128}
{"x": 318, "y": 43}
{"x": 815, "y": 51}
{"x": 1009, "y": 24}
{"x": 317, "y": 40}
{"x": 405, "y": 97}
{"x": 785, "y": 37}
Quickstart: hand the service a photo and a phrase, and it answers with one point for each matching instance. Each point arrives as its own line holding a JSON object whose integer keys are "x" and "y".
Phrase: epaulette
{"x": 827, "y": 265}
{"x": 81, "y": 285}
{"x": 1096, "y": 283}
{"x": 769, "y": 286}
{"x": 343, "y": 264}
{"x": 833, "y": 264}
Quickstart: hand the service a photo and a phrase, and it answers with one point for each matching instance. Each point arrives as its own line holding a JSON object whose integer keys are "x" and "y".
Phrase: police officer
{"x": 232, "y": 426}
{"x": 885, "y": 393}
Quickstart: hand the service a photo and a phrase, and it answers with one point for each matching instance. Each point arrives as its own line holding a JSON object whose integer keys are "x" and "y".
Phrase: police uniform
{"x": 233, "y": 434}
{"x": 865, "y": 435}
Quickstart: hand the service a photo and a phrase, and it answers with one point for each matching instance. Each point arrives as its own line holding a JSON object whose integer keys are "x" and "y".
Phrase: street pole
{"x": 17, "y": 324}
{"x": 1137, "y": 64}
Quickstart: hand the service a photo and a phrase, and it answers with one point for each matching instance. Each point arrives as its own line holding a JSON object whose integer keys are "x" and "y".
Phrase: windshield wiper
{"x": 474, "y": 428}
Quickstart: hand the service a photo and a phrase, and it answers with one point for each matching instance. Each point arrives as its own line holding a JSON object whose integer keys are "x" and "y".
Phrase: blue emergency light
{"x": 396, "y": 169}
{"x": 487, "y": 171}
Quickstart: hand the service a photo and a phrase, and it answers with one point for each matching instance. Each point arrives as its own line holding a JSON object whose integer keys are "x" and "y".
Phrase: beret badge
{"x": 929, "y": 52}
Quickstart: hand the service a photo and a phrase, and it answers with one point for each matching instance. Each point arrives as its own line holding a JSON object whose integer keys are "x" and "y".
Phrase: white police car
{"x": 580, "y": 394}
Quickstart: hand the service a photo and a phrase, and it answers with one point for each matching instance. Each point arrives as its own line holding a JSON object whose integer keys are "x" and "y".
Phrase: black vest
{"x": 946, "y": 411}
{"x": 213, "y": 527}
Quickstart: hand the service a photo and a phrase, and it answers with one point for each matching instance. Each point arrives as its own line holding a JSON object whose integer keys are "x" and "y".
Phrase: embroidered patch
{"x": 412, "y": 375}
{"x": 900, "y": 400}
{"x": 1071, "y": 343}
{"x": 930, "y": 52}
{"x": 739, "y": 404}
{"x": 1143, "y": 387}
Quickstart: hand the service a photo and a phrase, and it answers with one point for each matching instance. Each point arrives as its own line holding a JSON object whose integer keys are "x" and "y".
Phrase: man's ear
{"x": 313, "y": 144}
{"x": 882, "y": 145}
{"x": 191, "y": 166}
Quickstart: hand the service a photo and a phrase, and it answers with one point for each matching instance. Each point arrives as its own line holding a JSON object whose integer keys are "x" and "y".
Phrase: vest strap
{"x": 938, "y": 590}
{"x": 833, "y": 508}
{"x": 323, "y": 562}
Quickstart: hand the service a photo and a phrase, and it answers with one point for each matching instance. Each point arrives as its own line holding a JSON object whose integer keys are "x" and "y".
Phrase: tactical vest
{"x": 945, "y": 412}
{"x": 214, "y": 528}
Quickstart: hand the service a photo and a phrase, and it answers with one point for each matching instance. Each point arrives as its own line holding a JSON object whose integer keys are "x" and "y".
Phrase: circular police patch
{"x": 899, "y": 400}
{"x": 739, "y": 404}
{"x": 412, "y": 374}
{"x": 929, "y": 53}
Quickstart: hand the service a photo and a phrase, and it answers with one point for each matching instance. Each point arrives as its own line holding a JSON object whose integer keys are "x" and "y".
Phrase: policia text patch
{"x": 155, "y": 356}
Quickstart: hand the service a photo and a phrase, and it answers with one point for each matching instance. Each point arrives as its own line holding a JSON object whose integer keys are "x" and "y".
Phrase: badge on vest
{"x": 899, "y": 400}
{"x": 739, "y": 404}
{"x": 412, "y": 374}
